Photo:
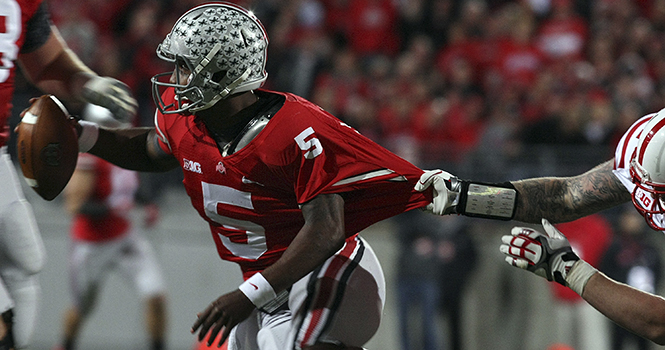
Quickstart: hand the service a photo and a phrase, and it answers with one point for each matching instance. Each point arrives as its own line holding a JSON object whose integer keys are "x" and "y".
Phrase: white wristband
{"x": 258, "y": 290}
{"x": 579, "y": 275}
{"x": 89, "y": 135}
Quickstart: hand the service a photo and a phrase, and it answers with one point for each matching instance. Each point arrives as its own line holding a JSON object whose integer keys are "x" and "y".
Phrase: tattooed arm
{"x": 561, "y": 199}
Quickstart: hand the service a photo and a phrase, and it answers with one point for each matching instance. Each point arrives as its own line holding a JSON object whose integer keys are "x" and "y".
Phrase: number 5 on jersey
{"x": 311, "y": 146}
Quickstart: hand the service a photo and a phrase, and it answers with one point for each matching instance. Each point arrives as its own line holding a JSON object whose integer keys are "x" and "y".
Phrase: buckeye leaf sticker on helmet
{"x": 47, "y": 146}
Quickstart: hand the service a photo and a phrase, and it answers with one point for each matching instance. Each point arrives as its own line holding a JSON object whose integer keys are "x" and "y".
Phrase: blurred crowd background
{"x": 490, "y": 90}
{"x": 462, "y": 84}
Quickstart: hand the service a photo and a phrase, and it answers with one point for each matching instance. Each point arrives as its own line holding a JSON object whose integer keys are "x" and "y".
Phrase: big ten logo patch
{"x": 192, "y": 166}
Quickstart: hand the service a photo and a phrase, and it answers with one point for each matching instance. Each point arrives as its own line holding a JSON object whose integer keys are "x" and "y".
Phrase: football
{"x": 47, "y": 146}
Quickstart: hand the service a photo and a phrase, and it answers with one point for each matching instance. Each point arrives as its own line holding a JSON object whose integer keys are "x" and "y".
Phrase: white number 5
{"x": 312, "y": 146}
{"x": 255, "y": 245}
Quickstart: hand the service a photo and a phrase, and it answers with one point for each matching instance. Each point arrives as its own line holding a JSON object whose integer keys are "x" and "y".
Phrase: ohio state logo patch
{"x": 220, "y": 168}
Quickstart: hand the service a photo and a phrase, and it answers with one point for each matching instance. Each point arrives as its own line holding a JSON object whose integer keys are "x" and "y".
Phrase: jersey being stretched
{"x": 251, "y": 198}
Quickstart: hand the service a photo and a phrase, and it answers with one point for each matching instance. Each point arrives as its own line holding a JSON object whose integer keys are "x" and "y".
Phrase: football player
{"x": 100, "y": 197}
{"x": 284, "y": 186}
{"x": 29, "y": 39}
{"x": 636, "y": 173}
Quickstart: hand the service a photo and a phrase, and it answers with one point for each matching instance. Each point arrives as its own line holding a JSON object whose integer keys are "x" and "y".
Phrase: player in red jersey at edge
{"x": 28, "y": 39}
{"x": 284, "y": 186}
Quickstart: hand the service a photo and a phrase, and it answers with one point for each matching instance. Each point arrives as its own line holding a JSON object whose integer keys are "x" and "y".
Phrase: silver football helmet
{"x": 219, "y": 49}
{"x": 647, "y": 169}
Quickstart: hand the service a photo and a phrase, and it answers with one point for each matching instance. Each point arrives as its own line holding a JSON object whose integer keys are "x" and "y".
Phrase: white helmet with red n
{"x": 221, "y": 48}
{"x": 647, "y": 169}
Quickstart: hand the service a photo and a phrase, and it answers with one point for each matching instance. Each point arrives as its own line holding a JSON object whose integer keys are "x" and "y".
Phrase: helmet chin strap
{"x": 206, "y": 60}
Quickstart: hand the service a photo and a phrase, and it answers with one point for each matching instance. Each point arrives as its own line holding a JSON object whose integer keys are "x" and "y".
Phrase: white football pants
{"x": 341, "y": 302}
{"x": 21, "y": 252}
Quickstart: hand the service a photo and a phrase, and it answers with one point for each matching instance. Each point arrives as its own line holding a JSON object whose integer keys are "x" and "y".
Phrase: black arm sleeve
{"x": 37, "y": 30}
{"x": 487, "y": 200}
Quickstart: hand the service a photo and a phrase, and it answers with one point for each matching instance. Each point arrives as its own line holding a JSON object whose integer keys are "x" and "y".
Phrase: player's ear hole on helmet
{"x": 218, "y": 76}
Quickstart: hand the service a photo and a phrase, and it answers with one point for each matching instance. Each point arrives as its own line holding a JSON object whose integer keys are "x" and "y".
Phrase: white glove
{"x": 548, "y": 255}
{"x": 113, "y": 95}
{"x": 445, "y": 193}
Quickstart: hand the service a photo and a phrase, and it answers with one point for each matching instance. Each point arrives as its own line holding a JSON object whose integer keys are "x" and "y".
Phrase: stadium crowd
{"x": 437, "y": 81}
{"x": 471, "y": 86}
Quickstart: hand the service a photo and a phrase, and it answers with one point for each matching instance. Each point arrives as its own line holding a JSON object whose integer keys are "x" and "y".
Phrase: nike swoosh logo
{"x": 254, "y": 285}
{"x": 248, "y": 181}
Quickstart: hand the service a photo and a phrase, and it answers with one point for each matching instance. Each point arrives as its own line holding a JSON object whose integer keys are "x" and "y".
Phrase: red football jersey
{"x": 115, "y": 187}
{"x": 14, "y": 15}
{"x": 251, "y": 198}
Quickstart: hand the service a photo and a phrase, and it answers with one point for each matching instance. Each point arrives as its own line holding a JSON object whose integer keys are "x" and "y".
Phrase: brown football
{"x": 47, "y": 146}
